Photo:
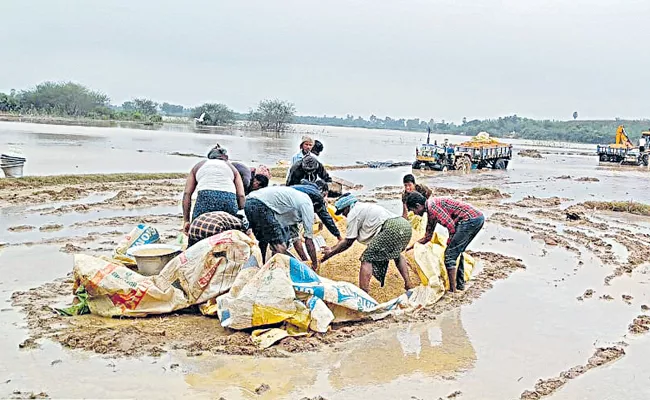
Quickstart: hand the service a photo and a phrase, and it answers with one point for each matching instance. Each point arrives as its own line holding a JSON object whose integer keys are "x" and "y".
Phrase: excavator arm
{"x": 621, "y": 137}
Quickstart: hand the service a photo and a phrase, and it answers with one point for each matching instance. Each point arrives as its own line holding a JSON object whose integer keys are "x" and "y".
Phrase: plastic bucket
{"x": 12, "y": 160}
{"x": 11, "y": 157}
{"x": 13, "y": 170}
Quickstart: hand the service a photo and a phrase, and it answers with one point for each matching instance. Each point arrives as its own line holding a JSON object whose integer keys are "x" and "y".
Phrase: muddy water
{"x": 529, "y": 326}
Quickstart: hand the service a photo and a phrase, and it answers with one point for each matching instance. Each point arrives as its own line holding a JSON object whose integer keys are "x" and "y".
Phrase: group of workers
{"x": 232, "y": 196}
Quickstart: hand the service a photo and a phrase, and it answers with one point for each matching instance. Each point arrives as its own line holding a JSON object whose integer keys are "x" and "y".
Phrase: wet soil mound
{"x": 530, "y": 153}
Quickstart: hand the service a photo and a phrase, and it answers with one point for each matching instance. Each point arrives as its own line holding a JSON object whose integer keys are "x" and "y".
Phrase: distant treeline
{"x": 68, "y": 99}
{"x": 587, "y": 131}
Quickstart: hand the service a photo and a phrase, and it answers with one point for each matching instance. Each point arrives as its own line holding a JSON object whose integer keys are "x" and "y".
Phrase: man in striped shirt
{"x": 461, "y": 220}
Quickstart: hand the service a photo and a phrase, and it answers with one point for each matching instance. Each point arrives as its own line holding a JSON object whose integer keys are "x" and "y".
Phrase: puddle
{"x": 67, "y": 220}
{"x": 440, "y": 348}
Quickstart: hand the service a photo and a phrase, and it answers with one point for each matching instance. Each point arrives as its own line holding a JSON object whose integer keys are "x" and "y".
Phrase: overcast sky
{"x": 444, "y": 59}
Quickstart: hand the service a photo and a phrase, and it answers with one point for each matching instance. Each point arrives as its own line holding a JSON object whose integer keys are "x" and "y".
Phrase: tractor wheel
{"x": 416, "y": 165}
{"x": 644, "y": 159}
{"x": 463, "y": 164}
{"x": 603, "y": 158}
{"x": 444, "y": 168}
{"x": 500, "y": 164}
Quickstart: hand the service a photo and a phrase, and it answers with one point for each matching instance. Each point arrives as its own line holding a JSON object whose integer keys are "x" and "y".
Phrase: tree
{"x": 145, "y": 106}
{"x": 62, "y": 98}
{"x": 9, "y": 102}
{"x": 575, "y": 115}
{"x": 172, "y": 109}
{"x": 464, "y": 120}
{"x": 215, "y": 114}
{"x": 273, "y": 115}
{"x": 128, "y": 106}
{"x": 413, "y": 124}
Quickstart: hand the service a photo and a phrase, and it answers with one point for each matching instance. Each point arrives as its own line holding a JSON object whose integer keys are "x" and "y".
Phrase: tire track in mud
{"x": 154, "y": 335}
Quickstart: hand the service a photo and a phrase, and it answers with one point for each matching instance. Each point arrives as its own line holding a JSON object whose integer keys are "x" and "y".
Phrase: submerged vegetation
{"x": 73, "y": 100}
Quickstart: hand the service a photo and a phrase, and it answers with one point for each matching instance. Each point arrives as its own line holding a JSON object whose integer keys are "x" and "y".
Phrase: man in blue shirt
{"x": 317, "y": 191}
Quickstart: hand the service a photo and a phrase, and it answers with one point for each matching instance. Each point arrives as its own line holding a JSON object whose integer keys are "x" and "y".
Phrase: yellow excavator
{"x": 624, "y": 151}
{"x": 621, "y": 138}
{"x": 615, "y": 152}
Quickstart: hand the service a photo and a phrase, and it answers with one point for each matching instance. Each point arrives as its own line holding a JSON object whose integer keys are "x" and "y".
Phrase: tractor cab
{"x": 434, "y": 156}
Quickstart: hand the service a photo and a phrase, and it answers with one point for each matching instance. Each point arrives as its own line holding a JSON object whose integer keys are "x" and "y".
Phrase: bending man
{"x": 461, "y": 220}
{"x": 273, "y": 210}
{"x": 317, "y": 191}
{"x": 385, "y": 234}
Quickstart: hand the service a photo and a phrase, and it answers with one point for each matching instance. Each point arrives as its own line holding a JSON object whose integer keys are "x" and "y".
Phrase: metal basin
{"x": 151, "y": 258}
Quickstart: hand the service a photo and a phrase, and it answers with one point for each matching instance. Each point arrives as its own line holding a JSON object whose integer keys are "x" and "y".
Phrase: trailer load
{"x": 480, "y": 152}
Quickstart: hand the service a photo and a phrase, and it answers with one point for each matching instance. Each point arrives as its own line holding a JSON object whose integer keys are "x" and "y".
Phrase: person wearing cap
{"x": 409, "y": 187}
{"x": 273, "y": 210}
{"x": 306, "y": 145}
{"x": 308, "y": 168}
{"x": 461, "y": 220}
{"x": 218, "y": 185}
{"x": 317, "y": 192}
{"x": 385, "y": 234}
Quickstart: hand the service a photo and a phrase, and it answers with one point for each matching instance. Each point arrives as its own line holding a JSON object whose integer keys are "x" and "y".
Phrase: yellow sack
{"x": 265, "y": 338}
{"x": 418, "y": 223}
{"x": 332, "y": 211}
{"x": 431, "y": 261}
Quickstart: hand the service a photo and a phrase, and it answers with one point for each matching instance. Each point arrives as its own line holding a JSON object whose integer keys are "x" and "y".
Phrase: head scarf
{"x": 310, "y": 163}
{"x": 263, "y": 170}
{"x": 218, "y": 153}
{"x": 347, "y": 200}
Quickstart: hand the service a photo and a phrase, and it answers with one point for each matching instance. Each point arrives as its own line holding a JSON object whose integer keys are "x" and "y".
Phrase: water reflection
{"x": 439, "y": 348}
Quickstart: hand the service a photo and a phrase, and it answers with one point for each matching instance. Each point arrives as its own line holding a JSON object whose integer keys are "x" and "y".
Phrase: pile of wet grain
{"x": 345, "y": 267}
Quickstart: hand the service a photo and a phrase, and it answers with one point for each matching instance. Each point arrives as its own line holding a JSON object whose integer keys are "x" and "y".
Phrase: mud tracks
{"x": 545, "y": 387}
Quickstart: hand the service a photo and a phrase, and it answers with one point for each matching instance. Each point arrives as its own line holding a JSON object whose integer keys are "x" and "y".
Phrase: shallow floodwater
{"x": 527, "y": 327}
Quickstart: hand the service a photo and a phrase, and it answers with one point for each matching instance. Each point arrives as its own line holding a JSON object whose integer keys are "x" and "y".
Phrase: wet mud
{"x": 546, "y": 387}
{"x": 17, "y": 394}
{"x": 486, "y": 195}
{"x": 641, "y": 324}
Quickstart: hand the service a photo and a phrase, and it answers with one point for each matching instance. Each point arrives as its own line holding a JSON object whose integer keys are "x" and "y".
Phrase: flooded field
{"x": 569, "y": 313}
